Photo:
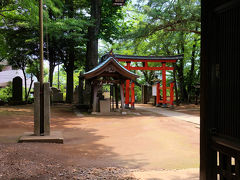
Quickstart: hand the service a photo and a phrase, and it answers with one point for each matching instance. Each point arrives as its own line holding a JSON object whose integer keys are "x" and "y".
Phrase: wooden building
{"x": 110, "y": 71}
{"x": 220, "y": 87}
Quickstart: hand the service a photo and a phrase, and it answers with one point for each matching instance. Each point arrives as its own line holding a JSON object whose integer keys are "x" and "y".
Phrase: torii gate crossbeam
{"x": 145, "y": 59}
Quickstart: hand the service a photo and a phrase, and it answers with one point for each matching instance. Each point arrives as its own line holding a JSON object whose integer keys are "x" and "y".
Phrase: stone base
{"x": 126, "y": 106}
{"x": 105, "y": 106}
{"x": 54, "y": 137}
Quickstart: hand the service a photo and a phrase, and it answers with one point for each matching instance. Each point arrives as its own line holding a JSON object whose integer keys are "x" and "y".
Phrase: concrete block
{"x": 54, "y": 137}
{"x": 46, "y": 90}
{"x": 105, "y": 106}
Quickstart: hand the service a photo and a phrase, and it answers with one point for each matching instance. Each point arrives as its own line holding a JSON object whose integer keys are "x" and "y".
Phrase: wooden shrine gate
{"x": 145, "y": 60}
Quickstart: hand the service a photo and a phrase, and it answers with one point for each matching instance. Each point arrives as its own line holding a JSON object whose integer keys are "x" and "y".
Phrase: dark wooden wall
{"x": 220, "y": 90}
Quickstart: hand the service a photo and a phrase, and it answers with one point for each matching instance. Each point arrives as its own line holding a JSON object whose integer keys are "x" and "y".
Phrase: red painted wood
{"x": 146, "y": 60}
{"x": 132, "y": 95}
{"x": 127, "y": 85}
{"x": 164, "y": 83}
{"x": 146, "y": 67}
{"x": 127, "y": 92}
{"x": 158, "y": 93}
{"x": 150, "y": 68}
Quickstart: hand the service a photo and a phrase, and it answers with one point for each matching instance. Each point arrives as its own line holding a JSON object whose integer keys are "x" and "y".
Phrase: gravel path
{"x": 169, "y": 113}
{"x": 18, "y": 161}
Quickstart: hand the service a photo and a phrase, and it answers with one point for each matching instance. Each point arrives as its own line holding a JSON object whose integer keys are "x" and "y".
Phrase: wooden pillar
{"x": 122, "y": 85}
{"x": 164, "y": 85}
{"x": 127, "y": 88}
{"x": 122, "y": 96}
{"x": 95, "y": 89}
{"x": 116, "y": 95}
{"x": 112, "y": 97}
{"x": 158, "y": 95}
{"x": 171, "y": 93}
{"x": 80, "y": 89}
{"x": 132, "y": 96}
{"x": 127, "y": 94}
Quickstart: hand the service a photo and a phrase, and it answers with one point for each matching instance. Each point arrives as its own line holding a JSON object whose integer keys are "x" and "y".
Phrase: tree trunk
{"x": 52, "y": 62}
{"x": 51, "y": 70}
{"x": 71, "y": 59}
{"x": 93, "y": 31}
{"x": 70, "y": 78}
{"x": 180, "y": 68}
{"x": 175, "y": 84}
{"x": 191, "y": 73}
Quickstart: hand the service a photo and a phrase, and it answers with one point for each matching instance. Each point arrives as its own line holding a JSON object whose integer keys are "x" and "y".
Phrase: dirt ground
{"x": 139, "y": 146}
{"x": 191, "y": 109}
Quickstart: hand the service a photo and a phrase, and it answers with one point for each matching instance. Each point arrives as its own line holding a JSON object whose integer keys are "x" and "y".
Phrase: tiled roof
{"x": 104, "y": 63}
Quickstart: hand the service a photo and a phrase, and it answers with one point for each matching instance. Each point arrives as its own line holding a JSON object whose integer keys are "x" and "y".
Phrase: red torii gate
{"x": 145, "y": 59}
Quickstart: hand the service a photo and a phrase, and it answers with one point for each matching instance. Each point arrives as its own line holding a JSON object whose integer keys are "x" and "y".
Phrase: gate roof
{"x": 110, "y": 68}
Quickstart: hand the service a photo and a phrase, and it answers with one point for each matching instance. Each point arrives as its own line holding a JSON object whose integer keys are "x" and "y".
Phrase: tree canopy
{"x": 73, "y": 28}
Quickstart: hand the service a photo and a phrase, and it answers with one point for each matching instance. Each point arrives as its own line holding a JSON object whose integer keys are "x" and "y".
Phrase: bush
{"x": 6, "y": 93}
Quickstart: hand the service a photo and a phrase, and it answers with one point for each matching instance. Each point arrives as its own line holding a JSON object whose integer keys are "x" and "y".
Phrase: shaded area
{"x": 147, "y": 141}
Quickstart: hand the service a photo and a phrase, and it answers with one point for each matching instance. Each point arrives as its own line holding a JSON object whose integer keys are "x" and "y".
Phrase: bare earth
{"x": 191, "y": 109}
{"x": 139, "y": 146}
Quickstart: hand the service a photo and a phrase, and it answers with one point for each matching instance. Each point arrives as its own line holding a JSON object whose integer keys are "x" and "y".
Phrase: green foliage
{"x": 6, "y": 93}
{"x": 111, "y": 27}
{"x": 160, "y": 28}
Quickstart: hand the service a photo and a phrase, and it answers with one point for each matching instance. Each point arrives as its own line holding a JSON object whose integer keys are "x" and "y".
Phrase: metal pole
{"x": 41, "y": 68}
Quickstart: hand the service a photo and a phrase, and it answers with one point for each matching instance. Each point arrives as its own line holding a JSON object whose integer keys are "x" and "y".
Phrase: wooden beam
{"x": 151, "y": 68}
{"x": 147, "y": 60}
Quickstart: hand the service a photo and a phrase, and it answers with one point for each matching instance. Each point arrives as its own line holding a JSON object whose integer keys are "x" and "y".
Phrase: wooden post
{"x": 122, "y": 97}
{"x": 95, "y": 89}
{"x": 158, "y": 95}
{"x": 132, "y": 96}
{"x": 164, "y": 85}
{"x": 112, "y": 97}
{"x": 116, "y": 95}
{"x": 123, "y": 87}
{"x": 127, "y": 88}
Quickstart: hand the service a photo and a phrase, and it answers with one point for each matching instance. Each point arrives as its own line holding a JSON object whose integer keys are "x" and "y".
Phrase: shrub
{"x": 6, "y": 93}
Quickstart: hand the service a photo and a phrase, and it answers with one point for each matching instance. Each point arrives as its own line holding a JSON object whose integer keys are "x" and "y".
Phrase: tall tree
{"x": 93, "y": 33}
{"x": 66, "y": 30}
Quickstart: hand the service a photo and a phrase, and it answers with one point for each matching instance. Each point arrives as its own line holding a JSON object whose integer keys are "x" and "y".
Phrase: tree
{"x": 19, "y": 32}
{"x": 93, "y": 32}
{"x": 106, "y": 26}
{"x": 161, "y": 27}
{"x": 71, "y": 40}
